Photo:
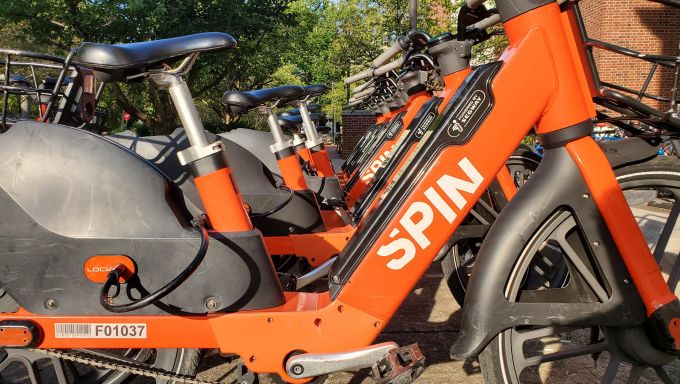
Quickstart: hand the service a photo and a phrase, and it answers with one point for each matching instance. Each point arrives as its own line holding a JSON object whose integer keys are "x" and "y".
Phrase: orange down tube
{"x": 416, "y": 102}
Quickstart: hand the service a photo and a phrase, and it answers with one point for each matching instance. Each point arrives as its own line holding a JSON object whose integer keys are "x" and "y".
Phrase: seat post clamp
{"x": 197, "y": 152}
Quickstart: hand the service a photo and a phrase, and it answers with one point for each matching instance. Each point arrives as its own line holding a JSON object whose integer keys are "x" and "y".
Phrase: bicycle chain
{"x": 154, "y": 373}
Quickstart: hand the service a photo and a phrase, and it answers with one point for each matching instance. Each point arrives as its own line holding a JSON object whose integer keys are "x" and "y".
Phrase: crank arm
{"x": 318, "y": 364}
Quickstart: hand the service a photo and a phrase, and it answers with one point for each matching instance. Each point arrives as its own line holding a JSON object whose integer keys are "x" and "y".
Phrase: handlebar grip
{"x": 473, "y": 4}
{"x": 486, "y": 23}
{"x": 388, "y": 67}
{"x": 365, "y": 92}
{"x": 399, "y": 46}
{"x": 359, "y": 76}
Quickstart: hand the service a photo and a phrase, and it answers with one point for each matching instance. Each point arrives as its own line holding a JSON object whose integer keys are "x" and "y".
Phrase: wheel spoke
{"x": 478, "y": 217}
{"x": 488, "y": 208}
{"x": 663, "y": 375}
{"x": 674, "y": 276}
{"x": 667, "y": 231}
{"x": 60, "y": 370}
{"x": 612, "y": 369}
{"x": 585, "y": 273}
{"x": 635, "y": 374}
{"x": 523, "y": 362}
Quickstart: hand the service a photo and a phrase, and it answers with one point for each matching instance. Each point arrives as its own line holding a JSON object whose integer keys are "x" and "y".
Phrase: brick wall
{"x": 641, "y": 25}
{"x": 354, "y": 124}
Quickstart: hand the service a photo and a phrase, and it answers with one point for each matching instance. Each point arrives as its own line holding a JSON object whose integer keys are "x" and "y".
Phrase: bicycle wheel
{"x": 458, "y": 262}
{"x": 527, "y": 354}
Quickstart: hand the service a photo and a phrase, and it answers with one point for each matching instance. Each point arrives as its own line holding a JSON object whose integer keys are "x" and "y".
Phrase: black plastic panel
{"x": 66, "y": 194}
{"x": 375, "y": 223}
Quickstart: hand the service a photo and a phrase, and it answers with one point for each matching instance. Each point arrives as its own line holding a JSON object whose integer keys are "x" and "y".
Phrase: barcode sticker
{"x": 99, "y": 331}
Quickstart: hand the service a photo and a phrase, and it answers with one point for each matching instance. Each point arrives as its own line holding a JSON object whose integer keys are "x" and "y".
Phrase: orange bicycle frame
{"x": 398, "y": 241}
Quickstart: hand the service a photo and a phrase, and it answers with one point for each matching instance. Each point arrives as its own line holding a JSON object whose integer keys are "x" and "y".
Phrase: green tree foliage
{"x": 279, "y": 42}
{"x": 58, "y": 25}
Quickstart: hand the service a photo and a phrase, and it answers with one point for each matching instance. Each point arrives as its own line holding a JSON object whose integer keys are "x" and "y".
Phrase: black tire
{"x": 458, "y": 261}
{"x": 501, "y": 357}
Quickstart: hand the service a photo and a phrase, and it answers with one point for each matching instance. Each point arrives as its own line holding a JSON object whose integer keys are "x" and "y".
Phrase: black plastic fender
{"x": 556, "y": 185}
{"x": 629, "y": 151}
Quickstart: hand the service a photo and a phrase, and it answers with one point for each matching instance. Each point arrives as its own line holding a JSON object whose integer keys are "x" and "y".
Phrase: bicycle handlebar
{"x": 401, "y": 45}
{"x": 486, "y": 23}
{"x": 363, "y": 86}
{"x": 359, "y": 76}
{"x": 388, "y": 67}
{"x": 365, "y": 92}
{"x": 354, "y": 101}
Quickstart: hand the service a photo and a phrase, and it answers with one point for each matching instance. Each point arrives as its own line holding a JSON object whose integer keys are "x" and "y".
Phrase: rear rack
{"x": 633, "y": 114}
{"x": 45, "y": 88}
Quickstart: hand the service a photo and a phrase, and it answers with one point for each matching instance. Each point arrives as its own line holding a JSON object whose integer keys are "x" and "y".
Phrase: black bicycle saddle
{"x": 296, "y": 111}
{"x": 241, "y": 102}
{"x": 291, "y": 121}
{"x": 315, "y": 89}
{"x": 125, "y": 59}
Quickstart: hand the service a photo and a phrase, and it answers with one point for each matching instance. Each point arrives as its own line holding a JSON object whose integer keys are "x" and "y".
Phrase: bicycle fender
{"x": 629, "y": 151}
{"x": 557, "y": 185}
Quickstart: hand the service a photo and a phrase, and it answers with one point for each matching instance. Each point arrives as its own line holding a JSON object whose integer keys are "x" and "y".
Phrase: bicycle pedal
{"x": 400, "y": 366}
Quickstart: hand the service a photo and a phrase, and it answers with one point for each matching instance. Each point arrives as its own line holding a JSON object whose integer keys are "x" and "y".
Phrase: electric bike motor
{"x": 72, "y": 200}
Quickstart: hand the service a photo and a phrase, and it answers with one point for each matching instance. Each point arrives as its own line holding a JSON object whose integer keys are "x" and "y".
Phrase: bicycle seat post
{"x": 283, "y": 150}
{"x": 207, "y": 161}
{"x": 186, "y": 109}
{"x": 313, "y": 138}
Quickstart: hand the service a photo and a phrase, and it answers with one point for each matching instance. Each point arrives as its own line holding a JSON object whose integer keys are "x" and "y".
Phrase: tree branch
{"x": 127, "y": 106}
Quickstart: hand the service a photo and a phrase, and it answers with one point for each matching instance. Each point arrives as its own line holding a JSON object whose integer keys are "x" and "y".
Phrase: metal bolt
{"x": 291, "y": 229}
{"x": 51, "y": 304}
{"x": 298, "y": 369}
{"x": 596, "y": 243}
{"x": 626, "y": 281}
{"x": 211, "y": 304}
{"x": 586, "y": 195}
{"x": 335, "y": 279}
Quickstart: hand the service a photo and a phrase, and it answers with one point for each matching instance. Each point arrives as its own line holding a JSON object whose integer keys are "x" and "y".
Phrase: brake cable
{"x": 277, "y": 208}
{"x": 106, "y": 300}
